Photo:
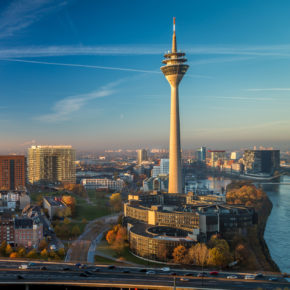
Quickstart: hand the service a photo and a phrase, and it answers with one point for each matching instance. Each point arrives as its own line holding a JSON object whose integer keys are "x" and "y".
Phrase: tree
{"x": 32, "y": 254}
{"x": 8, "y": 250}
{"x": 42, "y": 244}
{"x": 13, "y": 255}
{"x": 61, "y": 252}
{"x": 198, "y": 254}
{"x": 21, "y": 252}
{"x": 75, "y": 231}
{"x": 3, "y": 248}
{"x": 116, "y": 201}
{"x": 110, "y": 237}
{"x": 179, "y": 254}
{"x": 66, "y": 221}
{"x": 44, "y": 253}
{"x": 120, "y": 240}
{"x": 162, "y": 253}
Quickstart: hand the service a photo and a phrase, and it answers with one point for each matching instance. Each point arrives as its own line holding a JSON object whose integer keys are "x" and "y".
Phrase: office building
{"x": 261, "y": 161}
{"x": 51, "y": 164}
{"x": 12, "y": 172}
{"x": 141, "y": 156}
{"x": 200, "y": 154}
{"x": 103, "y": 183}
{"x": 217, "y": 157}
{"x": 174, "y": 70}
{"x": 162, "y": 169}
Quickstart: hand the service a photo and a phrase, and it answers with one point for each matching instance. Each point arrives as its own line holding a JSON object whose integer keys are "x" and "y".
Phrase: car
{"x": 65, "y": 268}
{"x": 111, "y": 267}
{"x": 23, "y": 267}
{"x": 273, "y": 279}
{"x": 31, "y": 264}
{"x": 184, "y": 279}
{"x": 214, "y": 273}
{"x": 232, "y": 277}
{"x": 126, "y": 271}
{"x": 143, "y": 270}
{"x": 84, "y": 274}
{"x": 188, "y": 274}
{"x": 20, "y": 277}
{"x": 173, "y": 274}
{"x": 150, "y": 272}
{"x": 259, "y": 275}
{"x": 96, "y": 270}
{"x": 78, "y": 265}
{"x": 83, "y": 266}
{"x": 165, "y": 269}
{"x": 43, "y": 268}
{"x": 88, "y": 272}
{"x": 202, "y": 274}
{"x": 250, "y": 277}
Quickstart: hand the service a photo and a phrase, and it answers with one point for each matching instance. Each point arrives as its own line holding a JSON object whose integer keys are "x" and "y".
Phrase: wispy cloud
{"x": 63, "y": 109}
{"x": 251, "y": 99}
{"x": 220, "y": 60}
{"x": 268, "y": 89}
{"x": 20, "y": 14}
{"x": 235, "y": 53}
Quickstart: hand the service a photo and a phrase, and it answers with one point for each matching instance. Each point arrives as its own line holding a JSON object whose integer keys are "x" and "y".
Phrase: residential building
{"x": 54, "y": 206}
{"x": 28, "y": 231}
{"x": 141, "y": 156}
{"x": 105, "y": 183}
{"x": 6, "y": 229}
{"x": 13, "y": 200}
{"x": 12, "y": 172}
{"x": 51, "y": 164}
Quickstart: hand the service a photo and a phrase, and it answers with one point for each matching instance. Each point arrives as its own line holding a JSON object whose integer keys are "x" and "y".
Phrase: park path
{"x": 78, "y": 251}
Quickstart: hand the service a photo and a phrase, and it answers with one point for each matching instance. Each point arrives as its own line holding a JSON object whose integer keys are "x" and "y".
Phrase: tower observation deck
{"x": 174, "y": 70}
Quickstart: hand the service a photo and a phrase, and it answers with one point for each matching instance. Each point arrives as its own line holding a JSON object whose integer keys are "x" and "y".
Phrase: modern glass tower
{"x": 174, "y": 70}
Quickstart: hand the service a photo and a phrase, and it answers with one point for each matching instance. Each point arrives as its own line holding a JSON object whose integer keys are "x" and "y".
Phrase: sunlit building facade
{"x": 51, "y": 164}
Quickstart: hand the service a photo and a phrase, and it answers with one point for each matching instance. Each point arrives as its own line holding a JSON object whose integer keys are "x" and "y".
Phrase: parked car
{"x": 214, "y": 273}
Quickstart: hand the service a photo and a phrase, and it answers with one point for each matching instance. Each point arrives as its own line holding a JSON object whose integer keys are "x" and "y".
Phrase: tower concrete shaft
{"x": 174, "y": 70}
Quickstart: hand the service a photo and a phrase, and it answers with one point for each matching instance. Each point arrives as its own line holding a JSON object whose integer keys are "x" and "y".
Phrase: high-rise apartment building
{"x": 201, "y": 154}
{"x": 51, "y": 164}
{"x": 141, "y": 156}
{"x": 174, "y": 70}
{"x": 261, "y": 161}
{"x": 12, "y": 172}
{"x": 217, "y": 157}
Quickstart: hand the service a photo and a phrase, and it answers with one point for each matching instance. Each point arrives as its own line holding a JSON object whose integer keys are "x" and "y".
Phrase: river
{"x": 277, "y": 231}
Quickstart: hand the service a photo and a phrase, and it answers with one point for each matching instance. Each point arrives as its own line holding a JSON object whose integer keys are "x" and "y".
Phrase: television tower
{"x": 174, "y": 70}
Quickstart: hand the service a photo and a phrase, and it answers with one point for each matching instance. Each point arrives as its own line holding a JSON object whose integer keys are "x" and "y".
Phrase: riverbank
{"x": 251, "y": 249}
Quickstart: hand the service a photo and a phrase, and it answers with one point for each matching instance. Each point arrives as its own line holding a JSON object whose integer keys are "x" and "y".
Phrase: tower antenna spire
{"x": 174, "y": 45}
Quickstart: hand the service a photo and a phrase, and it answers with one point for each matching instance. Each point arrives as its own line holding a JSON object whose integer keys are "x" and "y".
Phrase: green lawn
{"x": 90, "y": 212}
{"x": 125, "y": 255}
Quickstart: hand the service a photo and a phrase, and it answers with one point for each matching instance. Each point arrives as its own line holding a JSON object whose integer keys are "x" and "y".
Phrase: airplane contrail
{"x": 81, "y": 65}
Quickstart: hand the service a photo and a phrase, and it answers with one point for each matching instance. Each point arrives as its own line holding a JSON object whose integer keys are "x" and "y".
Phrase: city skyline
{"x": 77, "y": 73}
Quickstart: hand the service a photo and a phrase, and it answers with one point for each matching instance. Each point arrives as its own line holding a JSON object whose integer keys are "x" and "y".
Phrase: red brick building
{"x": 6, "y": 229}
{"x": 12, "y": 172}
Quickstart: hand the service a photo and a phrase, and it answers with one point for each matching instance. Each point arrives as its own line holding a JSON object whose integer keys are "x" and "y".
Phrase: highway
{"x": 120, "y": 277}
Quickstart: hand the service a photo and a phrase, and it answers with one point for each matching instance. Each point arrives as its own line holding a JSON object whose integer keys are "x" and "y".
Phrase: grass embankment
{"x": 125, "y": 255}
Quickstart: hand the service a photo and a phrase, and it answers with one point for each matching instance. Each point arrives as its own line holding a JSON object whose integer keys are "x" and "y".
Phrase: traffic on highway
{"x": 47, "y": 271}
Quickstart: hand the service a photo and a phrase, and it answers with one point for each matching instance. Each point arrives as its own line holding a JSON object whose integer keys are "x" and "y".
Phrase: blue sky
{"x": 87, "y": 73}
